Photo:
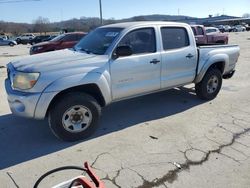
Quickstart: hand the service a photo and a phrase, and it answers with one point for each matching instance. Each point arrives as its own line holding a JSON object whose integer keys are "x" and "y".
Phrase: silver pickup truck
{"x": 112, "y": 63}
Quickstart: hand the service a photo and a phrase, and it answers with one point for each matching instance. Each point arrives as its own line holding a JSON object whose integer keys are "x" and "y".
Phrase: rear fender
{"x": 212, "y": 61}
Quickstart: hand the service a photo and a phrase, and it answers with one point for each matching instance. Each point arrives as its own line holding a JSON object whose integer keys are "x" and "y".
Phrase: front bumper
{"x": 229, "y": 75}
{"x": 21, "y": 103}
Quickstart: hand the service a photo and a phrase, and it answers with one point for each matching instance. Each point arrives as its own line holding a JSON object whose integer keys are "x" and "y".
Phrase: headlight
{"x": 23, "y": 81}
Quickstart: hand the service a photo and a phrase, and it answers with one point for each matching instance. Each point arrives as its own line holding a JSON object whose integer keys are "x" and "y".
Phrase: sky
{"x": 58, "y": 10}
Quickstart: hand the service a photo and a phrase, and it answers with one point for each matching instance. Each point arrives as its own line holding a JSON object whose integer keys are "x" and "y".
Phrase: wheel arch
{"x": 220, "y": 65}
{"x": 90, "y": 89}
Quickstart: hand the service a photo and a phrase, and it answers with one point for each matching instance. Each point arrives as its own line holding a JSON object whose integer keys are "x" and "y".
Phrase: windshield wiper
{"x": 85, "y": 50}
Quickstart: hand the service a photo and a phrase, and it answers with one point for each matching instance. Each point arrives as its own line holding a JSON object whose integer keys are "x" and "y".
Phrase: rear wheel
{"x": 74, "y": 117}
{"x": 210, "y": 85}
{"x": 11, "y": 44}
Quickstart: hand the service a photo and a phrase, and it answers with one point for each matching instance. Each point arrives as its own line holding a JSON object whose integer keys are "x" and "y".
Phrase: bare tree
{"x": 41, "y": 25}
{"x": 246, "y": 15}
{"x": 17, "y": 29}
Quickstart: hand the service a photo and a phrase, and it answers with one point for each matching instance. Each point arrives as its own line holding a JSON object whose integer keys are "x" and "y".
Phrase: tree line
{"x": 43, "y": 25}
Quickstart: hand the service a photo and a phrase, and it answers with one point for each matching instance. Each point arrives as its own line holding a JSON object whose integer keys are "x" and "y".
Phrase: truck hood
{"x": 59, "y": 60}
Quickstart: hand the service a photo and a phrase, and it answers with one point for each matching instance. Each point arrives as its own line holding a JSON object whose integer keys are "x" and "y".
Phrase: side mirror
{"x": 122, "y": 51}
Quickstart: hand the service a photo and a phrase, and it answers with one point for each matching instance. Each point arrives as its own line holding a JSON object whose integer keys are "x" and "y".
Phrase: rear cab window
{"x": 200, "y": 31}
{"x": 194, "y": 31}
{"x": 174, "y": 37}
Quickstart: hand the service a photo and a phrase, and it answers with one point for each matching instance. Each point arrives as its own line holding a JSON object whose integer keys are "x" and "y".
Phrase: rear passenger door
{"x": 179, "y": 57}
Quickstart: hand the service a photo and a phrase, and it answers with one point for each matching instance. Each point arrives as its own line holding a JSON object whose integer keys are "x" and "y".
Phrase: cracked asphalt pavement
{"x": 167, "y": 139}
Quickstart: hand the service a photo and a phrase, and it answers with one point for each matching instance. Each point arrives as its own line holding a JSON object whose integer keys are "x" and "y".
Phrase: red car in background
{"x": 67, "y": 40}
{"x": 204, "y": 38}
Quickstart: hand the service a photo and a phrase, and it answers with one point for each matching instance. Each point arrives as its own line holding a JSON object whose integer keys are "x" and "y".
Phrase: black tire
{"x": 62, "y": 106}
{"x": 11, "y": 44}
{"x": 204, "y": 89}
{"x": 18, "y": 40}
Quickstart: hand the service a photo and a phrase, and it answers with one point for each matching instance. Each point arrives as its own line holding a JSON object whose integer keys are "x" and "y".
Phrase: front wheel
{"x": 210, "y": 85}
{"x": 18, "y": 40}
{"x": 74, "y": 116}
{"x": 11, "y": 44}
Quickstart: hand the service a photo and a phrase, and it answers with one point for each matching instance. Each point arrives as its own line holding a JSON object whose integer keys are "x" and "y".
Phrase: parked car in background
{"x": 239, "y": 28}
{"x": 221, "y": 28}
{"x": 248, "y": 28}
{"x": 227, "y": 28}
{"x": 7, "y": 42}
{"x": 202, "y": 37}
{"x": 212, "y": 30}
{"x": 4, "y": 37}
{"x": 67, "y": 40}
{"x": 25, "y": 38}
{"x": 39, "y": 39}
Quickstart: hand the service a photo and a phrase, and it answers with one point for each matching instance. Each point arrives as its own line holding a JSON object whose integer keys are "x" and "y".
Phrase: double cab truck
{"x": 112, "y": 63}
{"x": 204, "y": 38}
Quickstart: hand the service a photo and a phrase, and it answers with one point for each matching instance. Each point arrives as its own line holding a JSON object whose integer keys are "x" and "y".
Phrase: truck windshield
{"x": 98, "y": 41}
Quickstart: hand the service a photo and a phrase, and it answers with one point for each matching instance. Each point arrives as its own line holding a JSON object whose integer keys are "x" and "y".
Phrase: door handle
{"x": 155, "y": 61}
{"x": 189, "y": 56}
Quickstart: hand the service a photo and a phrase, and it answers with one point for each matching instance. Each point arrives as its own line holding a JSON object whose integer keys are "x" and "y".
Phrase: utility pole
{"x": 100, "y": 3}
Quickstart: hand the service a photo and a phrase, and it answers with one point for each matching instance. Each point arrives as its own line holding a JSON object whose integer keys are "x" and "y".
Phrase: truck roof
{"x": 195, "y": 25}
{"x": 143, "y": 23}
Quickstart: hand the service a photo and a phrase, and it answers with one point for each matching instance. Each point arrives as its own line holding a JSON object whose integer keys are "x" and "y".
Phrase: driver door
{"x": 138, "y": 73}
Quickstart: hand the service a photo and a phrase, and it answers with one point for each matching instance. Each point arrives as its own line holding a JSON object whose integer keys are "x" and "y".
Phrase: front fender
{"x": 82, "y": 79}
{"x": 69, "y": 82}
{"x": 218, "y": 58}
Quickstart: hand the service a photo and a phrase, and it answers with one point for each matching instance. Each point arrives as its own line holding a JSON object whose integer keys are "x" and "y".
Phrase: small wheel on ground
{"x": 74, "y": 116}
{"x": 11, "y": 44}
{"x": 210, "y": 85}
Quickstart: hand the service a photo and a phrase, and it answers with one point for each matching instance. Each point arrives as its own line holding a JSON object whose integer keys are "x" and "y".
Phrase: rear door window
{"x": 174, "y": 37}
